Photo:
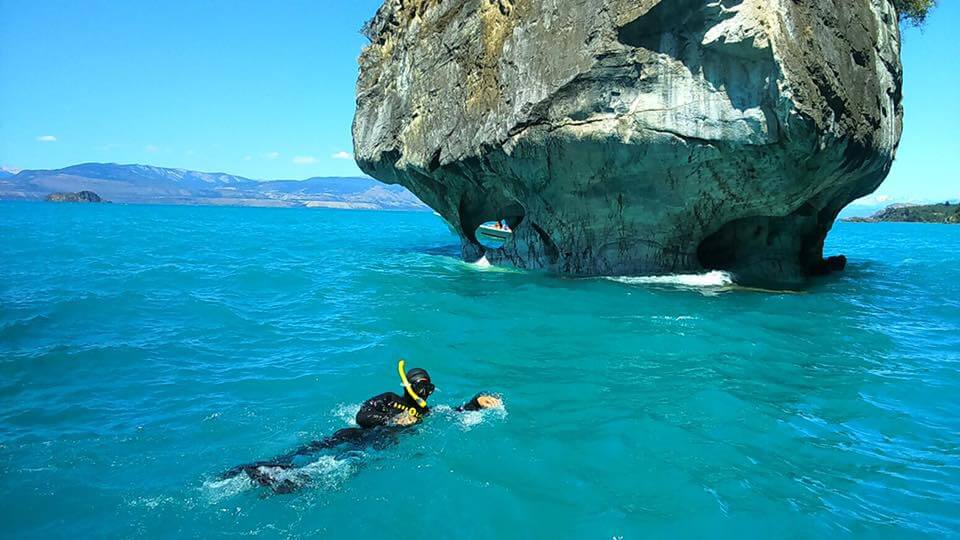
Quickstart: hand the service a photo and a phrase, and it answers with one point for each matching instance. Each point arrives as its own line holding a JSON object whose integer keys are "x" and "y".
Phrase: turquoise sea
{"x": 146, "y": 349}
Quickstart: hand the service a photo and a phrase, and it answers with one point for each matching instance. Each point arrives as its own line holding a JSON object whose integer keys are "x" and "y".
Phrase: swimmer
{"x": 380, "y": 419}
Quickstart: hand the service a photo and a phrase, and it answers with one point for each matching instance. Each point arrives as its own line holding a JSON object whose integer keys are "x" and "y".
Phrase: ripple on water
{"x": 175, "y": 343}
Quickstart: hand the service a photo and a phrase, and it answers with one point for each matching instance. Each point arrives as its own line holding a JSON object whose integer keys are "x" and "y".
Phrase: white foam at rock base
{"x": 710, "y": 279}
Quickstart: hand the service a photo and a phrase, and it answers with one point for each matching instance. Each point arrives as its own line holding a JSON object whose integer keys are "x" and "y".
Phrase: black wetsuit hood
{"x": 419, "y": 380}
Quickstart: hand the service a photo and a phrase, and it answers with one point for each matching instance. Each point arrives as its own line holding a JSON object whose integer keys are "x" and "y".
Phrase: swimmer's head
{"x": 420, "y": 382}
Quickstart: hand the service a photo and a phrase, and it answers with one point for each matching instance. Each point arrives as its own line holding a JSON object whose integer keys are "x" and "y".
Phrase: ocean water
{"x": 144, "y": 350}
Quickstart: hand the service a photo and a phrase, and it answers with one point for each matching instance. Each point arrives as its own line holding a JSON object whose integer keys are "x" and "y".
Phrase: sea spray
{"x": 466, "y": 420}
{"x": 707, "y": 280}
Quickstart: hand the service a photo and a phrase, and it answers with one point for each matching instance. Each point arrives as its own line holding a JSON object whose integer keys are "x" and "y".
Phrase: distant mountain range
{"x": 158, "y": 185}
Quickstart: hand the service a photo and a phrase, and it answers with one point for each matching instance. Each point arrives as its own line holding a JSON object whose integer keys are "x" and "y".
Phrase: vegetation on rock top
{"x": 914, "y": 11}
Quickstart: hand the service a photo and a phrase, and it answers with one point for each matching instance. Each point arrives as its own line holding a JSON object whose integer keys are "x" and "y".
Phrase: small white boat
{"x": 489, "y": 231}
{"x": 493, "y": 232}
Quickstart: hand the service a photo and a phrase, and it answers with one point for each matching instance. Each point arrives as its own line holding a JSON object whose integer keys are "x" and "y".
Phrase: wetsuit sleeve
{"x": 379, "y": 410}
{"x": 472, "y": 405}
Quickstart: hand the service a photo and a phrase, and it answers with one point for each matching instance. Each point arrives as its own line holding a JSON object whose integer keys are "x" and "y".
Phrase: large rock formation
{"x": 635, "y": 136}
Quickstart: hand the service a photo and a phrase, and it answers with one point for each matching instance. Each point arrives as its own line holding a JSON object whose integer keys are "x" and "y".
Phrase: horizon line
{"x": 19, "y": 170}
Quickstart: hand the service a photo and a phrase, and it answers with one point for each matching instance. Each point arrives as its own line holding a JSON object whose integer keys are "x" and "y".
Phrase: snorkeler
{"x": 380, "y": 419}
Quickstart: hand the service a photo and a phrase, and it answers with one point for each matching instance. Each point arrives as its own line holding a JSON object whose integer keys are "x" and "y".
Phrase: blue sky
{"x": 266, "y": 89}
{"x": 261, "y": 89}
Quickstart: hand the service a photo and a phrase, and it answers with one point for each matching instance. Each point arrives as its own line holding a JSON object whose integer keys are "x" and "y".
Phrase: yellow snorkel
{"x": 406, "y": 384}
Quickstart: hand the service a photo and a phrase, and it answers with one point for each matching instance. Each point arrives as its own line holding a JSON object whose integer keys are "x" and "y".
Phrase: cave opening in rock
{"x": 772, "y": 251}
{"x": 480, "y": 214}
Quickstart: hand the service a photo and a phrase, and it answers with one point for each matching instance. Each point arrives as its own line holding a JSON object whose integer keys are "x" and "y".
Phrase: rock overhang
{"x": 635, "y": 137}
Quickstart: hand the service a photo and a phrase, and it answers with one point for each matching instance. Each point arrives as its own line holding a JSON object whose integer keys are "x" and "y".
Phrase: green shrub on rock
{"x": 914, "y": 11}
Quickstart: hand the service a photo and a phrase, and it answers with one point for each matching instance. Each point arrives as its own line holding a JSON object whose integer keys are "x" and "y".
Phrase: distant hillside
{"x": 158, "y": 185}
{"x": 902, "y": 213}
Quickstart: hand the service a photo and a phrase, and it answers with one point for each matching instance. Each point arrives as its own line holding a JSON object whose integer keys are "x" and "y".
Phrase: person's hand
{"x": 489, "y": 402}
{"x": 406, "y": 420}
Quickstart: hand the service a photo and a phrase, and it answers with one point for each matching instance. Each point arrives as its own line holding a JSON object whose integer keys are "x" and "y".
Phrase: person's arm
{"x": 481, "y": 401}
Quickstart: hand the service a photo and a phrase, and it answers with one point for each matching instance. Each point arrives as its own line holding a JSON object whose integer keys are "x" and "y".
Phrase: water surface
{"x": 144, "y": 350}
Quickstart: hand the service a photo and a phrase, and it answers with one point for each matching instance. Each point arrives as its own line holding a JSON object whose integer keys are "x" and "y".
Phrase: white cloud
{"x": 342, "y": 155}
{"x": 47, "y": 138}
{"x": 151, "y": 148}
{"x": 272, "y": 155}
{"x": 190, "y": 153}
{"x": 304, "y": 160}
{"x": 873, "y": 200}
{"x": 247, "y": 158}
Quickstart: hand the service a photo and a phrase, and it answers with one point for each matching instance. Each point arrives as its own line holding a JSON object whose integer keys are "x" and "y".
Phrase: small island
{"x": 78, "y": 197}
{"x": 903, "y": 213}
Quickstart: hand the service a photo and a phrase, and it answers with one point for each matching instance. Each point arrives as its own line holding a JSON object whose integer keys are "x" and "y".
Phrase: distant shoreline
{"x": 864, "y": 221}
{"x": 943, "y": 214}
{"x": 221, "y": 204}
{"x": 144, "y": 184}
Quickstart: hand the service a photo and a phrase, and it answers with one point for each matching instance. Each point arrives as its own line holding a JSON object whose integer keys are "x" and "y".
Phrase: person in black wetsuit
{"x": 380, "y": 419}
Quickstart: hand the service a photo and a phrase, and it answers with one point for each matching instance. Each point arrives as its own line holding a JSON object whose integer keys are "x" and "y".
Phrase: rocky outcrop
{"x": 635, "y": 136}
{"x": 80, "y": 197}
